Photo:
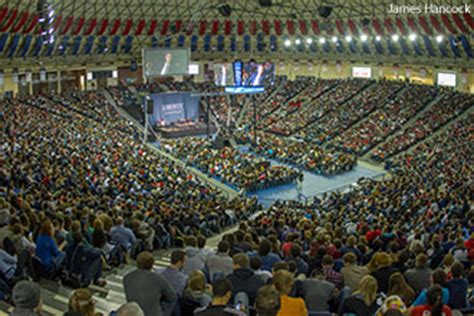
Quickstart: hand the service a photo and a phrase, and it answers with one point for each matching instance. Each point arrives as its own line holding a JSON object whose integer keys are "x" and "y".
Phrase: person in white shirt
{"x": 167, "y": 64}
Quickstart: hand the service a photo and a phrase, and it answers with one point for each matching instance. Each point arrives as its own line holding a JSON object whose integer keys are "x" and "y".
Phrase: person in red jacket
{"x": 469, "y": 244}
{"x": 435, "y": 305}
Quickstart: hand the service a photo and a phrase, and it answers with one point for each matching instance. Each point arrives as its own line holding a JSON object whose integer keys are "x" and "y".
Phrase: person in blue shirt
{"x": 439, "y": 277}
{"x": 47, "y": 250}
{"x": 268, "y": 258}
{"x": 457, "y": 287}
{"x": 121, "y": 235}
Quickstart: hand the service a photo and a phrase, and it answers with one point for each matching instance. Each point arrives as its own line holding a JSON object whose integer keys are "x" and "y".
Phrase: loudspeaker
{"x": 324, "y": 11}
{"x": 149, "y": 106}
{"x": 265, "y": 3}
{"x": 365, "y": 22}
{"x": 225, "y": 10}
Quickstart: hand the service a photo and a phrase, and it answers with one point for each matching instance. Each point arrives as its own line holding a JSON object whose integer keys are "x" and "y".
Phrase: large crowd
{"x": 449, "y": 107}
{"x": 304, "y": 155}
{"x": 79, "y": 194}
{"x": 70, "y": 182}
{"x": 273, "y": 99}
{"x": 244, "y": 171}
{"x": 386, "y": 120}
{"x": 343, "y": 116}
{"x": 329, "y": 96}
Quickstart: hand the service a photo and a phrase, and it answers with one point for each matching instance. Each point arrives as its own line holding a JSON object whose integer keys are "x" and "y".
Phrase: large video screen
{"x": 446, "y": 79}
{"x": 223, "y": 74}
{"x": 258, "y": 74}
{"x": 160, "y": 62}
{"x": 361, "y": 72}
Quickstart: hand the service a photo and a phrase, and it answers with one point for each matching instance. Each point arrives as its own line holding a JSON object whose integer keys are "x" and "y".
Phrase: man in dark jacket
{"x": 243, "y": 279}
{"x": 149, "y": 289}
{"x": 222, "y": 292}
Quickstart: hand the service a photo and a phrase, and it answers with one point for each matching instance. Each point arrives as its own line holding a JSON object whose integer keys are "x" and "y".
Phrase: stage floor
{"x": 314, "y": 184}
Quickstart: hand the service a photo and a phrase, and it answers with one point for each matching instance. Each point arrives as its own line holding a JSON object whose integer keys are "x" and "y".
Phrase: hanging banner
{"x": 28, "y": 76}
{"x": 407, "y": 72}
{"x": 2, "y": 80}
{"x": 42, "y": 74}
{"x": 422, "y": 72}
{"x": 310, "y": 66}
{"x": 15, "y": 76}
{"x": 338, "y": 67}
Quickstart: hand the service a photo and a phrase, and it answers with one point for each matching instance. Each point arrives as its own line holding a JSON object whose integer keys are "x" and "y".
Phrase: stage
{"x": 184, "y": 129}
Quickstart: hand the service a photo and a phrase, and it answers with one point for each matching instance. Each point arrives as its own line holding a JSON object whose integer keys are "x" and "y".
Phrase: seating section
{"x": 282, "y": 95}
{"x": 327, "y": 96}
{"x": 242, "y": 170}
{"x": 74, "y": 176}
{"x": 343, "y": 116}
{"x": 385, "y": 121}
{"x": 308, "y": 156}
{"x": 450, "y": 106}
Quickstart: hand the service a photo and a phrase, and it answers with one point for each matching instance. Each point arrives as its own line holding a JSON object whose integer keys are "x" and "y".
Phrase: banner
{"x": 173, "y": 107}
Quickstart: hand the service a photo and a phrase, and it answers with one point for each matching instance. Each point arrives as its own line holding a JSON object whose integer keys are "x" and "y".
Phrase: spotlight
{"x": 348, "y": 39}
{"x": 378, "y": 38}
{"x": 364, "y": 37}
{"x": 334, "y": 39}
{"x": 412, "y": 37}
{"x": 309, "y": 40}
{"x": 297, "y": 41}
{"x": 395, "y": 38}
{"x": 287, "y": 43}
{"x": 322, "y": 40}
{"x": 439, "y": 38}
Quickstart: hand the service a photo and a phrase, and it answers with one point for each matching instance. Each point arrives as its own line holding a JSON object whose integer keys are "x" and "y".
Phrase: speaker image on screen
{"x": 162, "y": 62}
{"x": 324, "y": 11}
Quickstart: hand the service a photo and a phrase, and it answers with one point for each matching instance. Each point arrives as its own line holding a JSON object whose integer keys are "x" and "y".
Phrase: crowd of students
{"x": 449, "y": 107}
{"x": 242, "y": 170}
{"x": 385, "y": 120}
{"x": 273, "y": 99}
{"x": 340, "y": 118}
{"x": 330, "y": 94}
{"x": 80, "y": 193}
{"x": 304, "y": 155}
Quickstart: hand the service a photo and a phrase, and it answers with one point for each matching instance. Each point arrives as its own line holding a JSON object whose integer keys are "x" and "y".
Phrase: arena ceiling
{"x": 96, "y": 30}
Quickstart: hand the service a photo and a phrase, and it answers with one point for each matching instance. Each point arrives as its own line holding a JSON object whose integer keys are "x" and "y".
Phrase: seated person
{"x": 268, "y": 301}
{"x": 197, "y": 289}
{"x": 222, "y": 292}
{"x": 47, "y": 251}
{"x": 283, "y": 282}
{"x": 434, "y": 304}
{"x": 27, "y": 299}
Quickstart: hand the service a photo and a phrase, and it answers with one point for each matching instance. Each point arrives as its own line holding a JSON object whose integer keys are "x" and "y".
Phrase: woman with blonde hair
{"x": 362, "y": 301}
{"x": 383, "y": 271}
{"x": 82, "y": 303}
{"x": 283, "y": 282}
{"x": 198, "y": 290}
{"x": 398, "y": 286}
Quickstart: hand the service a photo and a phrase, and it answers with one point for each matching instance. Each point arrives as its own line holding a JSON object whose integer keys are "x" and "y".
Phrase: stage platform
{"x": 177, "y": 130}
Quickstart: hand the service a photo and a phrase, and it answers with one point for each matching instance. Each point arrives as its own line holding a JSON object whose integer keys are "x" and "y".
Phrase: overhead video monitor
{"x": 258, "y": 74}
{"x": 446, "y": 79}
{"x": 223, "y": 74}
{"x": 162, "y": 62}
{"x": 253, "y": 73}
